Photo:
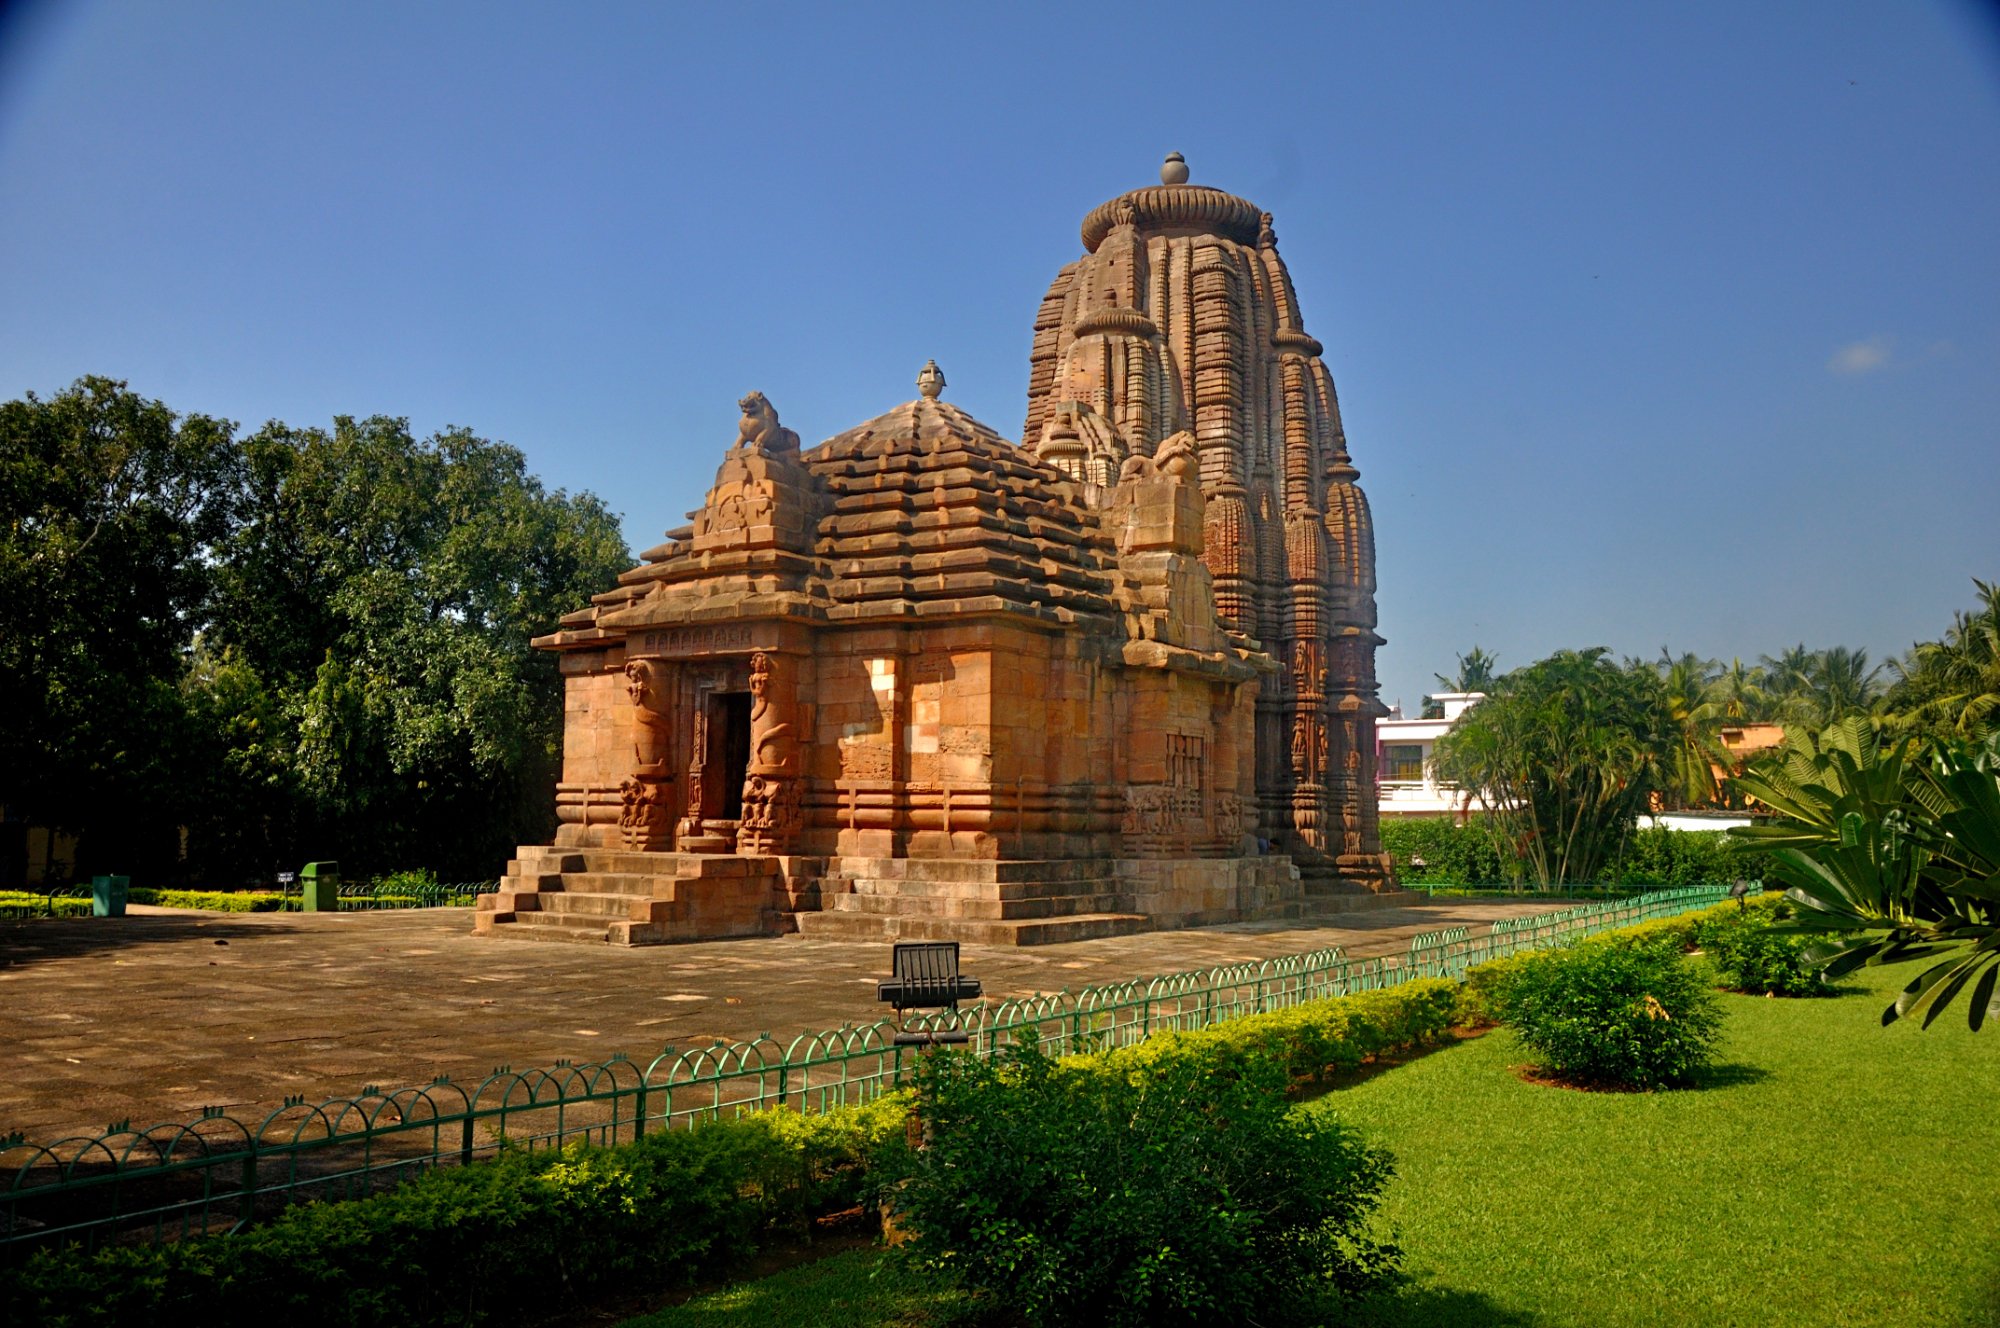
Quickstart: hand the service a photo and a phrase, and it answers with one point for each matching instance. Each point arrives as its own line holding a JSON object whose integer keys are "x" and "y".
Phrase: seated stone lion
{"x": 759, "y": 429}
{"x": 1174, "y": 458}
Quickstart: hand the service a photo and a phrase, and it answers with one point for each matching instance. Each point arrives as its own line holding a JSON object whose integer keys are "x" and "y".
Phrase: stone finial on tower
{"x": 930, "y": 380}
{"x": 1174, "y": 169}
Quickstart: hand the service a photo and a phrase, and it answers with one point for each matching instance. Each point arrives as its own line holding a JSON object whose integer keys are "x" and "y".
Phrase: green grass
{"x": 1832, "y": 1174}
{"x": 853, "y": 1290}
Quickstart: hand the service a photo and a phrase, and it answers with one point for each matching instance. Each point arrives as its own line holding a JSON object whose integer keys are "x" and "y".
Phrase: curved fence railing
{"x": 220, "y": 1171}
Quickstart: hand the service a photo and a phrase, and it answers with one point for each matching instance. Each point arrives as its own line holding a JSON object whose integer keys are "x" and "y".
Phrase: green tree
{"x": 302, "y": 642}
{"x": 1565, "y": 753}
{"x": 112, "y": 513}
{"x": 388, "y": 589}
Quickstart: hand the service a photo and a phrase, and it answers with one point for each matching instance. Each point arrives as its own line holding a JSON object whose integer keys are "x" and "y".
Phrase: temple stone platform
{"x": 617, "y": 897}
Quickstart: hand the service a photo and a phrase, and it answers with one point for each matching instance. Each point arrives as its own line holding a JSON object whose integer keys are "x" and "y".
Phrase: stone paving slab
{"x": 154, "y": 1016}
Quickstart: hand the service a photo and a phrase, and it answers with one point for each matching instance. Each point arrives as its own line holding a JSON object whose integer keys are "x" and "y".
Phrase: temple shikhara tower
{"x": 921, "y": 681}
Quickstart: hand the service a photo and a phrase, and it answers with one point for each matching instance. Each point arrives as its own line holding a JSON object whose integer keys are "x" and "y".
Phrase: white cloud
{"x": 1860, "y": 357}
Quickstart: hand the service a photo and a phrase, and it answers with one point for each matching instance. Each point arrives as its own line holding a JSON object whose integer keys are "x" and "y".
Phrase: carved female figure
{"x": 652, "y": 729}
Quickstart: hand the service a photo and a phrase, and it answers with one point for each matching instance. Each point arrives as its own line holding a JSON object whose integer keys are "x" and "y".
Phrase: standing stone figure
{"x": 646, "y": 814}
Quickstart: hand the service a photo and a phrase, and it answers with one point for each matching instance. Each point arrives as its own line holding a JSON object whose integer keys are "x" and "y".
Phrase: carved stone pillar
{"x": 646, "y": 812}
{"x": 772, "y": 802}
{"x": 691, "y": 820}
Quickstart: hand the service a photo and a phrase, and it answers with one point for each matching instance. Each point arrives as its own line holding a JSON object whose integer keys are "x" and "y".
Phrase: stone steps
{"x": 554, "y": 927}
{"x": 617, "y": 897}
{"x": 841, "y": 925}
{"x": 581, "y": 903}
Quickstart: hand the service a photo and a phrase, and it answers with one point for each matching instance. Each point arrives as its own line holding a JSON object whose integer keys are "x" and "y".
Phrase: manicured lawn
{"x": 1833, "y": 1174}
{"x": 853, "y": 1290}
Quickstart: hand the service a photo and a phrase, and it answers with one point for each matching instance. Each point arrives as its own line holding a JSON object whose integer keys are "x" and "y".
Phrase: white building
{"x": 1407, "y": 787}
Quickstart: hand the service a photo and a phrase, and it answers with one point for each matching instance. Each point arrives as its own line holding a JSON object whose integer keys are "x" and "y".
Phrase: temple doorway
{"x": 730, "y": 721}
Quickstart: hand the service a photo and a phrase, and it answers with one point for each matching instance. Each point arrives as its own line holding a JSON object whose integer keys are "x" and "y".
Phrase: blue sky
{"x": 1653, "y": 324}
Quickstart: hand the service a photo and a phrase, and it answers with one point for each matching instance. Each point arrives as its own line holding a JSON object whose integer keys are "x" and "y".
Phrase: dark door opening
{"x": 732, "y": 712}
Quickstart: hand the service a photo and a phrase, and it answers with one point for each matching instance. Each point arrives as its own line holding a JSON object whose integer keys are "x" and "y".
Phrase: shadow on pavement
{"x": 45, "y": 939}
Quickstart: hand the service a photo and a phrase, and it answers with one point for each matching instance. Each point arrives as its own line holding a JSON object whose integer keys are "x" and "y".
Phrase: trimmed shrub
{"x": 1619, "y": 1011}
{"x": 1751, "y": 956}
{"x": 416, "y": 884}
{"x": 1074, "y": 1193}
{"x": 1660, "y": 856}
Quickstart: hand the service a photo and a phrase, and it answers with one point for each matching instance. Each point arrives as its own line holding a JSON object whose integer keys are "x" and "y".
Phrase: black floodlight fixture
{"x": 927, "y": 978}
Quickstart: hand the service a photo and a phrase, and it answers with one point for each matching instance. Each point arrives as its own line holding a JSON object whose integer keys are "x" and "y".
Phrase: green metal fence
{"x": 217, "y": 1172}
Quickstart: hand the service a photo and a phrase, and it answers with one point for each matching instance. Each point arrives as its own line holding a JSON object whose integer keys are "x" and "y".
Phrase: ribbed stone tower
{"x": 1180, "y": 319}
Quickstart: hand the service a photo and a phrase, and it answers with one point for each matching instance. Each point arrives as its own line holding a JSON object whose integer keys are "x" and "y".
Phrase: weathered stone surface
{"x": 1143, "y": 642}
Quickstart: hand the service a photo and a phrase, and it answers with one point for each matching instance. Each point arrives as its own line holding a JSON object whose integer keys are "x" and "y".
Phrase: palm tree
{"x": 1739, "y": 695}
{"x": 1786, "y": 675}
{"x": 1689, "y": 683}
{"x": 1819, "y": 687}
{"x": 1952, "y": 685}
{"x": 1475, "y": 672}
{"x": 1841, "y": 683}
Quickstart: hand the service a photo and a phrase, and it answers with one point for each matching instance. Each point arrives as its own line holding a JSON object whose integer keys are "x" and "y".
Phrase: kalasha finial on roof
{"x": 1174, "y": 169}
{"x": 930, "y": 381}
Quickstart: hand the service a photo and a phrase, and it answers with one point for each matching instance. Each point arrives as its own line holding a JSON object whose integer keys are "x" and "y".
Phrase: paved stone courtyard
{"x": 164, "y": 1012}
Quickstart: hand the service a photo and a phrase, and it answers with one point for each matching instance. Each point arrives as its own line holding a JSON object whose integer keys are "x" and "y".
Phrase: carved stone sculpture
{"x": 652, "y": 726}
{"x": 759, "y": 430}
{"x": 771, "y": 795}
{"x": 646, "y": 812}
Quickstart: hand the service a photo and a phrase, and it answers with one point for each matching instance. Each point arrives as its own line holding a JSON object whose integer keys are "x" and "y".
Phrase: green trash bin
{"x": 319, "y": 882}
{"x": 107, "y": 896}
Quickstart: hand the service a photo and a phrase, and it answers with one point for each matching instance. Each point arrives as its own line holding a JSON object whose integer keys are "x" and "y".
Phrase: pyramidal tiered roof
{"x": 931, "y": 511}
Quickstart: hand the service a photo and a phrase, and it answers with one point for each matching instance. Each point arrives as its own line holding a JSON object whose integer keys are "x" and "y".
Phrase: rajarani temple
{"x": 924, "y": 682}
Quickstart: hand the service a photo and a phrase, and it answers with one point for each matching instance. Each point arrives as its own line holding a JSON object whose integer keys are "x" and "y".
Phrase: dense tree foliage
{"x": 111, "y": 514}
{"x": 1566, "y": 753}
{"x": 300, "y": 643}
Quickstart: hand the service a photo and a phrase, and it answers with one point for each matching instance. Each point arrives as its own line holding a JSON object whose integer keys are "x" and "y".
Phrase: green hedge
{"x": 1453, "y": 854}
{"x": 525, "y": 1234}
{"x": 215, "y": 901}
{"x": 1311, "y": 1042}
{"x": 1468, "y": 854}
{"x": 32, "y": 904}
